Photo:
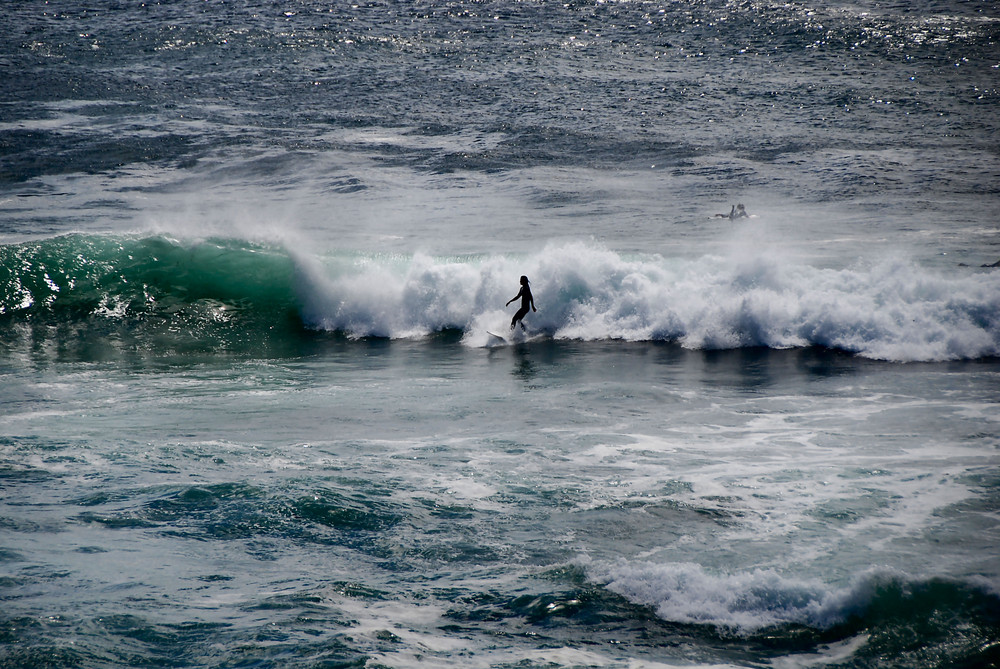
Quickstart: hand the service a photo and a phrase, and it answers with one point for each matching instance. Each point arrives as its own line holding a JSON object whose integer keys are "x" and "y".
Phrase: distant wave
{"x": 746, "y": 603}
{"x": 219, "y": 288}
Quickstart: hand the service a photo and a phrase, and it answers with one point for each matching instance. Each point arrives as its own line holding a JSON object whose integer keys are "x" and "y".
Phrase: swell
{"x": 158, "y": 293}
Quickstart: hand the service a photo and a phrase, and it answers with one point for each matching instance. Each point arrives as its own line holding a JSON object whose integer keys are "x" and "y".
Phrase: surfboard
{"x": 516, "y": 337}
{"x": 495, "y": 338}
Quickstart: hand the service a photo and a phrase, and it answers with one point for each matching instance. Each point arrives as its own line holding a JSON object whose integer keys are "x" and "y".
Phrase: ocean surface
{"x": 251, "y": 415}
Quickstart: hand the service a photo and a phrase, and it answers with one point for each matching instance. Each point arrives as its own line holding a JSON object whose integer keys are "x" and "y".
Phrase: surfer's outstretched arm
{"x": 519, "y": 293}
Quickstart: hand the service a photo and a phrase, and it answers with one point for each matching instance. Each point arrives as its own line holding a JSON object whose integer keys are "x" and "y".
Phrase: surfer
{"x": 731, "y": 215}
{"x": 526, "y": 301}
{"x": 737, "y": 211}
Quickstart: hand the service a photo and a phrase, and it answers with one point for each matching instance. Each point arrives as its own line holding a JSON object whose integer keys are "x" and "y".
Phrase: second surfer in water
{"x": 738, "y": 211}
{"x": 526, "y": 301}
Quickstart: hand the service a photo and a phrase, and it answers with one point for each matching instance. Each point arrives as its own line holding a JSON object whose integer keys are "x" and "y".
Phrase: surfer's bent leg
{"x": 518, "y": 316}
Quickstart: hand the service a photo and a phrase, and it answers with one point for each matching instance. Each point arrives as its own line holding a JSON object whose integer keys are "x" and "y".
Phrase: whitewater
{"x": 890, "y": 310}
{"x": 251, "y": 413}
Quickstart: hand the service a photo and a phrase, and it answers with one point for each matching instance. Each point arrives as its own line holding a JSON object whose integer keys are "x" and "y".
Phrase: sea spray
{"x": 385, "y": 295}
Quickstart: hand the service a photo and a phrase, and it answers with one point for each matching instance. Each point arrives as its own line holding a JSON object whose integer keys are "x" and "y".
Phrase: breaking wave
{"x": 751, "y": 602}
{"x": 220, "y": 292}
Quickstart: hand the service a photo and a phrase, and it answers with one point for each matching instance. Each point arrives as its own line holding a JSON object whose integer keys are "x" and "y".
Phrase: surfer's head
{"x": 524, "y": 280}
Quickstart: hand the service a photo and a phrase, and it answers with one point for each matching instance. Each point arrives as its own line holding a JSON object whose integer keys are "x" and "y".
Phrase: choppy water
{"x": 250, "y": 414}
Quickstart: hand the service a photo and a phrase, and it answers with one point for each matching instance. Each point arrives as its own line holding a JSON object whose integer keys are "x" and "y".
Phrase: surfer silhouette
{"x": 526, "y": 301}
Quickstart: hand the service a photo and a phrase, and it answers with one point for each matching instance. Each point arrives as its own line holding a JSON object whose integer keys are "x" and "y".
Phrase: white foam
{"x": 743, "y": 602}
{"x": 826, "y": 654}
{"x": 889, "y": 309}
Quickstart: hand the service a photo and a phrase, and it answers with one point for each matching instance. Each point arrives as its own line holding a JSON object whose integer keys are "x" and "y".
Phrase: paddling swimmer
{"x": 731, "y": 215}
{"x": 737, "y": 211}
{"x": 526, "y": 301}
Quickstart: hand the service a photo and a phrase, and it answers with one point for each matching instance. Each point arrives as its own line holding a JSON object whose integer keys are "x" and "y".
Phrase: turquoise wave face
{"x": 102, "y": 295}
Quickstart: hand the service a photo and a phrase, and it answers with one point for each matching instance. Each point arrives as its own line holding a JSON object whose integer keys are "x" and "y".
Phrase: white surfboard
{"x": 515, "y": 337}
